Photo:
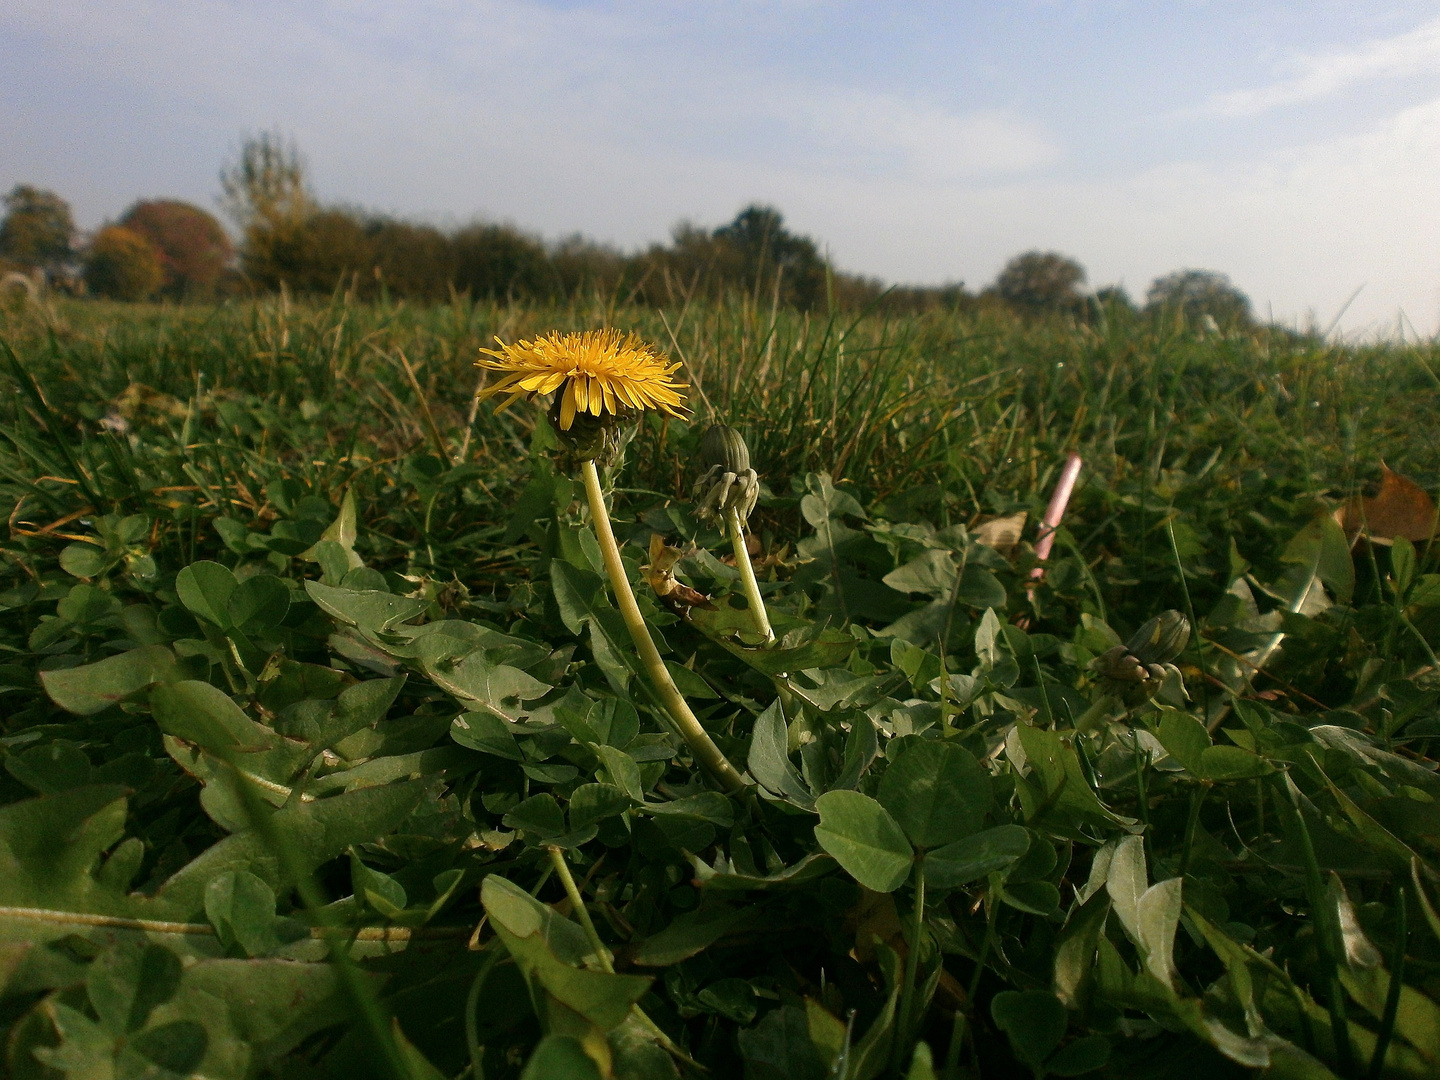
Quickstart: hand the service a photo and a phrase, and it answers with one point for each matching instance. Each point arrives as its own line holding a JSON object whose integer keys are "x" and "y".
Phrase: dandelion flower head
{"x": 600, "y": 371}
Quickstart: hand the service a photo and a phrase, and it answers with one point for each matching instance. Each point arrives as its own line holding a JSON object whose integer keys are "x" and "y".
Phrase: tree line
{"x": 289, "y": 239}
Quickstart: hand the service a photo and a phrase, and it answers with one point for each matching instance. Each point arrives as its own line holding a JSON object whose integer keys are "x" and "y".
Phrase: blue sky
{"x": 1295, "y": 146}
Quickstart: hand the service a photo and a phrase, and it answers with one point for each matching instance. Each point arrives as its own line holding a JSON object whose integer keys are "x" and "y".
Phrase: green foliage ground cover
{"x": 309, "y": 671}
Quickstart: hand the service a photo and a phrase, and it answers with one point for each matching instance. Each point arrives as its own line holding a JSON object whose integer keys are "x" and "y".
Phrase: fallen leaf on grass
{"x": 1001, "y": 533}
{"x": 660, "y": 574}
{"x": 1400, "y": 508}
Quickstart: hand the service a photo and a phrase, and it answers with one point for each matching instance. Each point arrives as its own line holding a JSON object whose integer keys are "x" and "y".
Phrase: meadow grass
{"x": 1235, "y": 437}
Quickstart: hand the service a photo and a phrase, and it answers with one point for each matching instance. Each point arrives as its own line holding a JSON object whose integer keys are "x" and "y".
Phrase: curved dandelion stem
{"x": 582, "y": 913}
{"x": 603, "y": 955}
{"x": 747, "y": 576}
{"x": 707, "y": 754}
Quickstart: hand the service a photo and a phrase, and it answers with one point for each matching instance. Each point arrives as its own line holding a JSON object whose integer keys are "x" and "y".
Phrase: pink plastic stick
{"x": 1056, "y": 511}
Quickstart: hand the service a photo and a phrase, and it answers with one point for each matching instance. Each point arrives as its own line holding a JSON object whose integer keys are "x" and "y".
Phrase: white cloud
{"x": 922, "y": 140}
{"x": 1324, "y": 75}
{"x": 1298, "y": 230}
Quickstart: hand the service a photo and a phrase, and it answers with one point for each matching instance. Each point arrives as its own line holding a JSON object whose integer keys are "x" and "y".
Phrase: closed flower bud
{"x": 728, "y": 480}
{"x": 722, "y": 445}
{"x": 1135, "y": 671}
{"x": 1161, "y": 639}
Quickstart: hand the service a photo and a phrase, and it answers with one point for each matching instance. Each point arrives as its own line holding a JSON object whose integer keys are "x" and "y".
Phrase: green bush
{"x": 123, "y": 265}
{"x": 37, "y": 230}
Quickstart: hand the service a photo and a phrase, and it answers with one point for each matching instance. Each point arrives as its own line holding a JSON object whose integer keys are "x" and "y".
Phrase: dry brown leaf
{"x": 1401, "y": 508}
{"x": 1001, "y": 533}
{"x": 874, "y": 920}
{"x": 659, "y": 573}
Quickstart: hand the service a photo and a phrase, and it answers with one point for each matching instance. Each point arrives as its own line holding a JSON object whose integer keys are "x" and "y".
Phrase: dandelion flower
{"x": 598, "y": 372}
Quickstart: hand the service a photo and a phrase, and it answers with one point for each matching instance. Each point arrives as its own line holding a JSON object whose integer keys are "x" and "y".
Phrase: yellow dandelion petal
{"x": 507, "y": 403}
{"x": 567, "y": 407}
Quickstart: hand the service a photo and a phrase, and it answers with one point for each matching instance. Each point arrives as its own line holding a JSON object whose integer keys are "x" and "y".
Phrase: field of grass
{"x": 314, "y": 696}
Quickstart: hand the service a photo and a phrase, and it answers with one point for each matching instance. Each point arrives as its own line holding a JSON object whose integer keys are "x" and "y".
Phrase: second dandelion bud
{"x": 726, "y": 492}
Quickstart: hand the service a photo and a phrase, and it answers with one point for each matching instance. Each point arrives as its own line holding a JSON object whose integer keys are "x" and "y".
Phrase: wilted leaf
{"x": 1001, "y": 533}
{"x": 1401, "y": 508}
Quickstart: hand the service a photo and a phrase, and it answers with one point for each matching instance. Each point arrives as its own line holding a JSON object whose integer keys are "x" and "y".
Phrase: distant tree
{"x": 762, "y": 251}
{"x": 123, "y": 265}
{"x": 499, "y": 262}
{"x": 415, "y": 261}
{"x": 268, "y": 195}
{"x": 38, "y": 229}
{"x": 1193, "y": 294}
{"x": 753, "y": 254}
{"x": 1115, "y": 298}
{"x": 194, "y": 249}
{"x": 1111, "y": 304}
{"x": 323, "y": 251}
{"x": 584, "y": 268}
{"x": 1041, "y": 281}
{"x": 266, "y": 182}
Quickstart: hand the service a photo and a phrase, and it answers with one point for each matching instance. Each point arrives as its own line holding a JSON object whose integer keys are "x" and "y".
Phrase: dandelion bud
{"x": 724, "y": 446}
{"x": 728, "y": 481}
{"x": 1135, "y": 671}
{"x": 1161, "y": 639}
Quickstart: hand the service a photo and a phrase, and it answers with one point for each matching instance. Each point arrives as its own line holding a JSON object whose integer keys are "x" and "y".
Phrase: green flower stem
{"x": 747, "y": 576}
{"x": 912, "y": 967}
{"x": 1096, "y": 714}
{"x": 472, "y": 1004}
{"x": 707, "y": 754}
{"x": 562, "y": 871}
